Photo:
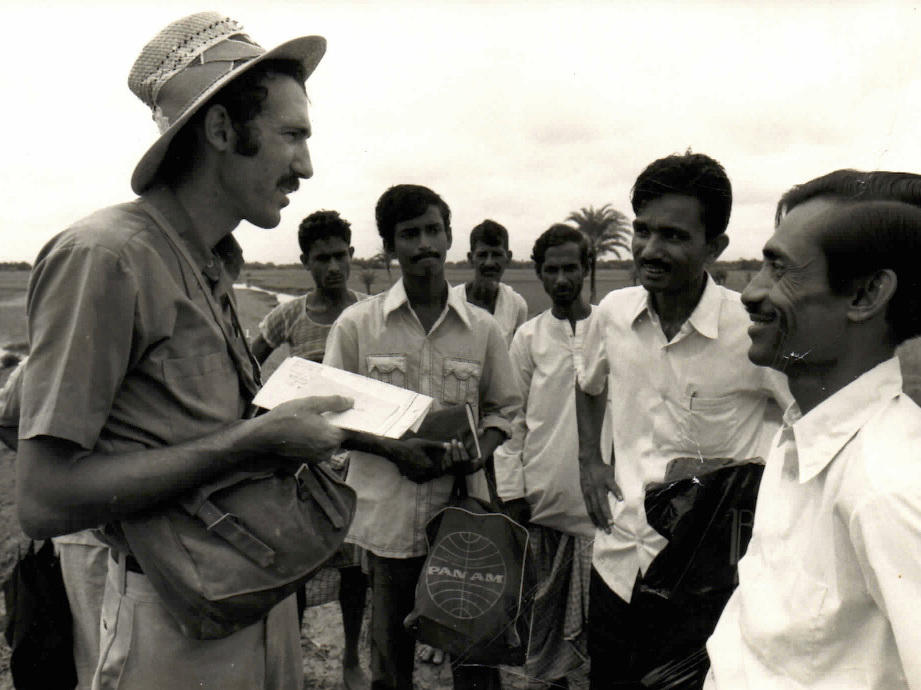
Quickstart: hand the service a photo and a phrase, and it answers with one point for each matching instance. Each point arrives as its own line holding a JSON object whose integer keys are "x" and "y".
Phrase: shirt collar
{"x": 227, "y": 250}
{"x": 821, "y": 433}
{"x": 705, "y": 318}
{"x": 396, "y": 298}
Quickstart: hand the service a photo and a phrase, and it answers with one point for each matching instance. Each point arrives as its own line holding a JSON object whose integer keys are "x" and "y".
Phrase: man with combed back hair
{"x": 829, "y": 584}
{"x": 669, "y": 359}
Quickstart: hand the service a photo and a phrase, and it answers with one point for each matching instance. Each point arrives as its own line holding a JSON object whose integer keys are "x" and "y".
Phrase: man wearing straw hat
{"x": 132, "y": 393}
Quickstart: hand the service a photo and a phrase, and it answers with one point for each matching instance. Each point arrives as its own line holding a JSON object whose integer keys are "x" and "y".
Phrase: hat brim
{"x": 307, "y": 50}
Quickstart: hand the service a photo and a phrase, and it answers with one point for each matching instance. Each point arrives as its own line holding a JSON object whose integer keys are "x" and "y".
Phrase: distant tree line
{"x": 15, "y": 266}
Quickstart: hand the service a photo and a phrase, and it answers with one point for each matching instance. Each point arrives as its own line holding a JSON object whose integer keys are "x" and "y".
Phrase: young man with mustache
{"x": 669, "y": 358}
{"x": 489, "y": 255}
{"x": 425, "y": 337}
{"x": 829, "y": 584}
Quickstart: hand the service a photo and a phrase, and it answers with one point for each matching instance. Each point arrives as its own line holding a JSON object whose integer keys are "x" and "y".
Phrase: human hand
{"x": 460, "y": 456}
{"x": 418, "y": 459}
{"x": 296, "y": 429}
{"x": 597, "y": 481}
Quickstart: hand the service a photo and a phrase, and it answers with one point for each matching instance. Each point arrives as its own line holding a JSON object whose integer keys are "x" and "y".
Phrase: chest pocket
{"x": 698, "y": 425}
{"x": 388, "y": 368}
{"x": 461, "y": 381}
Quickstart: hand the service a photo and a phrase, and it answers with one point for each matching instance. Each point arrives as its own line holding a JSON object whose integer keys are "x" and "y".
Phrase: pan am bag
{"x": 230, "y": 551}
{"x": 472, "y": 595}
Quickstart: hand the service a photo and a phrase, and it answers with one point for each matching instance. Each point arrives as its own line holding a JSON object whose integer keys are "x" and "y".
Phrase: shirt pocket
{"x": 698, "y": 425}
{"x": 388, "y": 369}
{"x": 789, "y": 618}
{"x": 461, "y": 381}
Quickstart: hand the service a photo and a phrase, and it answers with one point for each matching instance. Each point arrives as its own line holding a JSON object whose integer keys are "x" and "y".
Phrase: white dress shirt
{"x": 540, "y": 461}
{"x": 511, "y": 309}
{"x": 829, "y": 585}
{"x": 697, "y": 396}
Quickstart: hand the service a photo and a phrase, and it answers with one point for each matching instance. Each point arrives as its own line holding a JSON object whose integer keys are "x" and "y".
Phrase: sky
{"x": 519, "y": 111}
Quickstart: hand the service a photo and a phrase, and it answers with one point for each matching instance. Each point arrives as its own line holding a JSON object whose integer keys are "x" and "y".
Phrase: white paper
{"x": 380, "y": 408}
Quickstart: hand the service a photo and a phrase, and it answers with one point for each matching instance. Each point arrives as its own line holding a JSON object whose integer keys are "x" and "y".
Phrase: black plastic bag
{"x": 39, "y": 626}
{"x": 707, "y": 519}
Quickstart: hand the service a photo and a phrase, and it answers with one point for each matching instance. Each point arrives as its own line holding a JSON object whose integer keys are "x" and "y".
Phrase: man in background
{"x": 303, "y": 324}
{"x": 668, "y": 359}
{"x": 422, "y": 336}
{"x": 537, "y": 470}
{"x": 489, "y": 255}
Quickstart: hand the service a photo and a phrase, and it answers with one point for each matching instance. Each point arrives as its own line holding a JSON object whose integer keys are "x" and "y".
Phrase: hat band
{"x": 185, "y": 88}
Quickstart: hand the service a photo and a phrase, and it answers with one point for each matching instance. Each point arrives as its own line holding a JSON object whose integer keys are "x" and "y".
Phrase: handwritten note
{"x": 380, "y": 408}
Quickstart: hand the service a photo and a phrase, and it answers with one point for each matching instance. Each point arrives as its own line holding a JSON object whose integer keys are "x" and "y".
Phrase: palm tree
{"x": 382, "y": 258}
{"x": 608, "y": 231}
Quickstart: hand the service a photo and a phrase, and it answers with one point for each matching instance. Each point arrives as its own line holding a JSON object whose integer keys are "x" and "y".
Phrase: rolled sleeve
{"x": 499, "y": 397}
{"x": 591, "y": 361}
{"x": 886, "y": 532}
{"x": 508, "y": 458}
{"x": 81, "y": 317}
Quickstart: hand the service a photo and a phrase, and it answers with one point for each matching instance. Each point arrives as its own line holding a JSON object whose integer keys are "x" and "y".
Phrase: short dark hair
{"x": 863, "y": 237}
{"x": 854, "y": 185}
{"x": 489, "y": 232}
{"x": 554, "y": 236}
{"x": 405, "y": 202}
{"x": 243, "y": 98}
{"x": 322, "y": 225}
{"x": 689, "y": 174}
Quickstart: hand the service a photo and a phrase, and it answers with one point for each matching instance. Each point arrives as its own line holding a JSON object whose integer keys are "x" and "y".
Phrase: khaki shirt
{"x": 125, "y": 351}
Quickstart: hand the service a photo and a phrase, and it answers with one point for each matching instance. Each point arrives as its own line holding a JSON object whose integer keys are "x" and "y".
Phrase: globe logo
{"x": 465, "y": 575}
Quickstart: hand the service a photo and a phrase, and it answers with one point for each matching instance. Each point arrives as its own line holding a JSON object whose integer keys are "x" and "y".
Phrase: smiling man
{"x": 670, "y": 359}
{"x": 425, "y": 337}
{"x": 828, "y": 588}
{"x": 138, "y": 383}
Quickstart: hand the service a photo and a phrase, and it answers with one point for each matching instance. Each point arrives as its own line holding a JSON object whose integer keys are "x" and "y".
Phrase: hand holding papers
{"x": 380, "y": 408}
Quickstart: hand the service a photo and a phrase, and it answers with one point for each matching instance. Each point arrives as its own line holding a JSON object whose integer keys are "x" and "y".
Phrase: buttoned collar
{"x": 705, "y": 319}
{"x": 825, "y": 430}
{"x": 396, "y": 297}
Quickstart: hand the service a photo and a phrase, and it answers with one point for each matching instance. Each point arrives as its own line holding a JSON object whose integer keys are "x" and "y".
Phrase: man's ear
{"x": 470, "y": 258}
{"x": 508, "y": 253}
{"x": 218, "y": 128}
{"x": 304, "y": 259}
{"x": 717, "y": 246}
{"x": 448, "y": 233}
{"x": 872, "y": 295}
{"x": 351, "y": 252}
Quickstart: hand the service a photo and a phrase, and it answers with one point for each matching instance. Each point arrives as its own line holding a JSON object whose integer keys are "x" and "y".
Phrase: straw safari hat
{"x": 187, "y": 63}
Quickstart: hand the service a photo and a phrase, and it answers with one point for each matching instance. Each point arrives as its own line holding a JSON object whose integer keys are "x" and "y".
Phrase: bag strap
{"x": 227, "y": 525}
{"x": 251, "y": 380}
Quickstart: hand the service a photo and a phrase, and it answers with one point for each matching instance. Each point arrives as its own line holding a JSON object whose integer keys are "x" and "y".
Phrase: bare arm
{"x": 596, "y": 478}
{"x": 62, "y": 488}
